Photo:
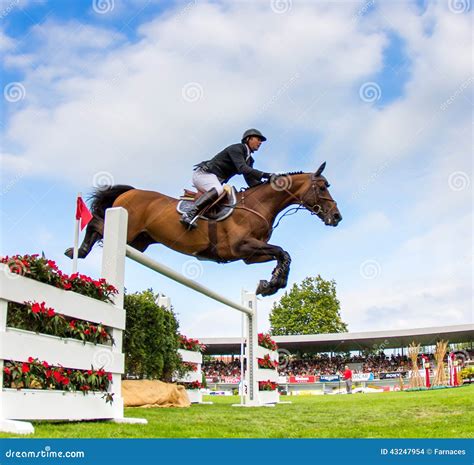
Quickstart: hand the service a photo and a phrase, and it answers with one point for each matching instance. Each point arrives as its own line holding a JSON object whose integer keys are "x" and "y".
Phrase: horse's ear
{"x": 320, "y": 170}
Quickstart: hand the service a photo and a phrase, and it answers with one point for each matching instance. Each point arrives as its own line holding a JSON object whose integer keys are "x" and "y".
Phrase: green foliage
{"x": 150, "y": 340}
{"x": 308, "y": 308}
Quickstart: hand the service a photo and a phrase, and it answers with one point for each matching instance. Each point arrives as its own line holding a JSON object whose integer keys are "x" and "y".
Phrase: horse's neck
{"x": 270, "y": 200}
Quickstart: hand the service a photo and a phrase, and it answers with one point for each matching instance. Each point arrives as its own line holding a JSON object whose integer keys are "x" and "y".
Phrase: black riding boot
{"x": 204, "y": 201}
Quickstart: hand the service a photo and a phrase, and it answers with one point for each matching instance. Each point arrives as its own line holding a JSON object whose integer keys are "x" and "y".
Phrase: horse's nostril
{"x": 337, "y": 216}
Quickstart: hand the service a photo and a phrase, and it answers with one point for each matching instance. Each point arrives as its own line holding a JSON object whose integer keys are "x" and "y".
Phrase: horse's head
{"x": 318, "y": 200}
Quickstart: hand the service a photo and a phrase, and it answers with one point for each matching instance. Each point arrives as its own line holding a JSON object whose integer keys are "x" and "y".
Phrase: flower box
{"x": 195, "y": 396}
{"x": 268, "y": 397}
{"x": 38, "y": 404}
{"x": 19, "y": 344}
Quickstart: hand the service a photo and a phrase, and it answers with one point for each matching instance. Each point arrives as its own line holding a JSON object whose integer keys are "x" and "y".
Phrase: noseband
{"x": 312, "y": 208}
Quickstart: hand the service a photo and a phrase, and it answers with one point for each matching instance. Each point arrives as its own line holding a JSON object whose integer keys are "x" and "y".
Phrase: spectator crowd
{"x": 319, "y": 364}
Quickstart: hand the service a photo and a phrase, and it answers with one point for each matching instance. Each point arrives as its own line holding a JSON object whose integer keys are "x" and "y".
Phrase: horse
{"x": 244, "y": 235}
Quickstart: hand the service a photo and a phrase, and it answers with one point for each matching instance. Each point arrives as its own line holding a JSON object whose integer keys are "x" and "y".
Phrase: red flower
{"x": 6, "y": 370}
{"x": 101, "y": 372}
{"x": 109, "y": 376}
{"x": 52, "y": 264}
{"x": 25, "y": 368}
{"x": 50, "y": 312}
{"x": 35, "y": 308}
{"x": 31, "y": 359}
{"x": 45, "y": 364}
{"x": 65, "y": 381}
{"x": 57, "y": 376}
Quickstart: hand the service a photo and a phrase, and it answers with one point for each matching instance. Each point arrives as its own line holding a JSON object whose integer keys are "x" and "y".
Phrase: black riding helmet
{"x": 253, "y": 132}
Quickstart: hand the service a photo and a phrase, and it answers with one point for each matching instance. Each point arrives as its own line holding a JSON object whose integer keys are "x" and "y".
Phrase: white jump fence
{"x": 18, "y": 407}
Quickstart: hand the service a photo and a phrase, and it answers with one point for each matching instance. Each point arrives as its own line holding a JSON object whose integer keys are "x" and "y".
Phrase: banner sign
{"x": 362, "y": 377}
{"x": 393, "y": 375}
{"x": 328, "y": 378}
{"x": 302, "y": 379}
{"x": 230, "y": 379}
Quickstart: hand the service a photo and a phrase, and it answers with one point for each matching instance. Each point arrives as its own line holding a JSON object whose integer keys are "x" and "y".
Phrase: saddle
{"x": 220, "y": 210}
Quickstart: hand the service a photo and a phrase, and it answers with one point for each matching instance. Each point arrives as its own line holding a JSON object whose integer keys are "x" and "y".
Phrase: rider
{"x": 209, "y": 175}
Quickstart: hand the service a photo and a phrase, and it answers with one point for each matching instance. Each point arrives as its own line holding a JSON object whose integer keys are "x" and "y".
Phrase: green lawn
{"x": 445, "y": 413}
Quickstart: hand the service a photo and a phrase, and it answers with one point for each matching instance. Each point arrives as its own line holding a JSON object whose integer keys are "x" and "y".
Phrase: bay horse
{"x": 244, "y": 235}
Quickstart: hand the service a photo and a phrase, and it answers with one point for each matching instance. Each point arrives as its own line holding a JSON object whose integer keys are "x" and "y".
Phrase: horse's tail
{"x": 104, "y": 197}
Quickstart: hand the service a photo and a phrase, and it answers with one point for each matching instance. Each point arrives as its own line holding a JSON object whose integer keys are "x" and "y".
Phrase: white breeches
{"x": 206, "y": 181}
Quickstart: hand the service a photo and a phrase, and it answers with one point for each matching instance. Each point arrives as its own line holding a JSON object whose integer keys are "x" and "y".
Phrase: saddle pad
{"x": 217, "y": 213}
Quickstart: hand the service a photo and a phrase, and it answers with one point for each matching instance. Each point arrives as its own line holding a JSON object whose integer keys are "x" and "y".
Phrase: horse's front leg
{"x": 255, "y": 251}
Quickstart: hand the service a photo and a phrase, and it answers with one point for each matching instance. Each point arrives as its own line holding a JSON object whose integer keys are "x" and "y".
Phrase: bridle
{"x": 299, "y": 200}
{"x": 315, "y": 189}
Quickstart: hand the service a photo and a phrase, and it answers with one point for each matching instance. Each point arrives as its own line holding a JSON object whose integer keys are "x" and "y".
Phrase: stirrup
{"x": 190, "y": 223}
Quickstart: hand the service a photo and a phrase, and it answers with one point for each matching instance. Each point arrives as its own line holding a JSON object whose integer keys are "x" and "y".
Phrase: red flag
{"x": 83, "y": 213}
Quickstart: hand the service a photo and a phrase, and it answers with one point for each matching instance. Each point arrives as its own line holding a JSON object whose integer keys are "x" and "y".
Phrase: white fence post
{"x": 113, "y": 270}
{"x": 250, "y": 300}
{"x": 6, "y": 425}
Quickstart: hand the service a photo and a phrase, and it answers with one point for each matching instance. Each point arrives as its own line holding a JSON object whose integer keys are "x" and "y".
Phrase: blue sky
{"x": 98, "y": 90}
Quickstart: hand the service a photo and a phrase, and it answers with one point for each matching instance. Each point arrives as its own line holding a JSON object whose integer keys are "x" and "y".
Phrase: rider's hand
{"x": 268, "y": 175}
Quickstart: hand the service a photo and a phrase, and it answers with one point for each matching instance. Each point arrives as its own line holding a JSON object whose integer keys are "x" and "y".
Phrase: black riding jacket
{"x": 232, "y": 161}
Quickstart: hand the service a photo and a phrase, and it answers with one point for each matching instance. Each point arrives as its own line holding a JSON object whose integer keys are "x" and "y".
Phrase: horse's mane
{"x": 262, "y": 183}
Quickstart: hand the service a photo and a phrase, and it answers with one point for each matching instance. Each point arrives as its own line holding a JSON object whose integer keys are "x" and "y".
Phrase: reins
{"x": 291, "y": 211}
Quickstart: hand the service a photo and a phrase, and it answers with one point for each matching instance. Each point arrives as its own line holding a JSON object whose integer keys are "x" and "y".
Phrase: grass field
{"x": 445, "y": 413}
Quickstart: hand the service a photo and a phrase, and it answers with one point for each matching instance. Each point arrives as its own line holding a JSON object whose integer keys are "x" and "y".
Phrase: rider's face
{"x": 254, "y": 143}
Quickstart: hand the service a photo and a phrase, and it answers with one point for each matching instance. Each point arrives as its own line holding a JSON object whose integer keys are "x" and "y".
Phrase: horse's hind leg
{"x": 142, "y": 241}
{"x": 94, "y": 231}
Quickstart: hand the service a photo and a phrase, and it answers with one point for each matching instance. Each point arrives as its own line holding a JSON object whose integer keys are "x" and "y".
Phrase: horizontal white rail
{"x": 19, "y": 345}
{"x": 20, "y": 289}
{"x": 178, "y": 277}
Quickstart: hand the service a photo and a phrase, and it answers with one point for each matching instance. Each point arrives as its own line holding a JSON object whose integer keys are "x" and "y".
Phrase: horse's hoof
{"x": 265, "y": 288}
{"x": 69, "y": 252}
{"x": 262, "y": 287}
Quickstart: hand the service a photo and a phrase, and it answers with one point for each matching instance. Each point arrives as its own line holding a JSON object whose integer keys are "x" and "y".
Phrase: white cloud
{"x": 125, "y": 103}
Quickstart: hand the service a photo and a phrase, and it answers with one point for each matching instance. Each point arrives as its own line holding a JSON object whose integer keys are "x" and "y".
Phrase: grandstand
{"x": 313, "y": 363}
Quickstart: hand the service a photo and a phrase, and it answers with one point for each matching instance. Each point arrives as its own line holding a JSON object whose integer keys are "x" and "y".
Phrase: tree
{"x": 150, "y": 340}
{"x": 309, "y": 308}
